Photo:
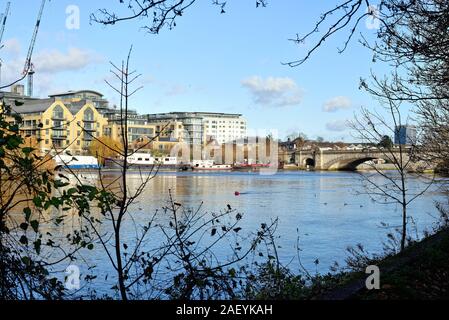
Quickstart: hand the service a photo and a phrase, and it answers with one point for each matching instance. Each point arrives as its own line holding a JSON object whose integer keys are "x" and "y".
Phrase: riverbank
{"x": 420, "y": 272}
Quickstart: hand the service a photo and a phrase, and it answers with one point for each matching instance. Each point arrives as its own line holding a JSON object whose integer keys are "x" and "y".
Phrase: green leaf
{"x": 23, "y": 240}
{"x": 37, "y": 246}
{"x": 37, "y": 202}
{"x": 27, "y": 212}
{"x": 27, "y": 150}
{"x": 26, "y": 260}
{"x": 35, "y": 225}
{"x": 60, "y": 184}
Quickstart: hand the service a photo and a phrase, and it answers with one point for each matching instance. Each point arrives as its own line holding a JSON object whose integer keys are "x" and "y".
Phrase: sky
{"x": 231, "y": 62}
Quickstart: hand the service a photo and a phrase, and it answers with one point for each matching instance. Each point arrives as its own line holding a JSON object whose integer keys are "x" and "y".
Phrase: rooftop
{"x": 79, "y": 92}
{"x": 192, "y": 114}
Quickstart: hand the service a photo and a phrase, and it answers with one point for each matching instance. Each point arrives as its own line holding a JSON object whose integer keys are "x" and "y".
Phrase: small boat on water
{"x": 76, "y": 162}
{"x": 209, "y": 165}
{"x": 144, "y": 160}
{"x": 254, "y": 166}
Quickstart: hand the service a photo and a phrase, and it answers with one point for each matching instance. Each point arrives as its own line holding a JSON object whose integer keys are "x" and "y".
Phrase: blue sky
{"x": 210, "y": 62}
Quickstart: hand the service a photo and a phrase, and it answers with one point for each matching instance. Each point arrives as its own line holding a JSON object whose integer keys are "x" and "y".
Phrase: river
{"x": 324, "y": 210}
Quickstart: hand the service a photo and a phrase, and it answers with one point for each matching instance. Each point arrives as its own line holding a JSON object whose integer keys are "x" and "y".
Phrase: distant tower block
{"x": 31, "y": 81}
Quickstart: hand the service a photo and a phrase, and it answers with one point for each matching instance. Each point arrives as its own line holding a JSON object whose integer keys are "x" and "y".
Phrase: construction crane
{"x": 29, "y": 68}
{"x": 3, "y": 19}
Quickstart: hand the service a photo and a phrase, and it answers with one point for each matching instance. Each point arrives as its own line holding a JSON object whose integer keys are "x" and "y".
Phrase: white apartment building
{"x": 224, "y": 127}
{"x": 202, "y": 127}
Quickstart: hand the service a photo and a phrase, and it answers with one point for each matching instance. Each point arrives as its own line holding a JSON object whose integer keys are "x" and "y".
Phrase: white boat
{"x": 137, "y": 160}
{"x": 76, "y": 162}
{"x": 209, "y": 165}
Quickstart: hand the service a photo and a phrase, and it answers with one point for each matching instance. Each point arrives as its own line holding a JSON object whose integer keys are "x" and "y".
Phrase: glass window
{"x": 88, "y": 115}
{"x": 58, "y": 113}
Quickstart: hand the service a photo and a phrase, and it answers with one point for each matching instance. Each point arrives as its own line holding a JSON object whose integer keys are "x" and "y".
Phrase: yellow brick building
{"x": 70, "y": 121}
{"x": 61, "y": 125}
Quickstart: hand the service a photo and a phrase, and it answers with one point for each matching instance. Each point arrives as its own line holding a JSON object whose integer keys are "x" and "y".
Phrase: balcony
{"x": 59, "y": 137}
{"x": 88, "y": 137}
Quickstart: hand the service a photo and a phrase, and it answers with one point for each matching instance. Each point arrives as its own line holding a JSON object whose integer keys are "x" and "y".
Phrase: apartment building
{"x": 59, "y": 124}
{"x": 224, "y": 127}
{"x": 72, "y": 120}
{"x": 202, "y": 127}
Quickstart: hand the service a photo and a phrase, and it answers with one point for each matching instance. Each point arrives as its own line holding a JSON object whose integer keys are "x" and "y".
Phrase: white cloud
{"x": 11, "y": 47}
{"x": 47, "y": 64}
{"x": 273, "y": 91}
{"x": 337, "y": 103}
{"x": 55, "y": 61}
{"x": 337, "y": 125}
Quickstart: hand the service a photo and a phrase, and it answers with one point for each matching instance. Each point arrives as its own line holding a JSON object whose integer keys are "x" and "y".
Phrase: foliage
{"x": 105, "y": 147}
{"x": 29, "y": 190}
{"x": 386, "y": 142}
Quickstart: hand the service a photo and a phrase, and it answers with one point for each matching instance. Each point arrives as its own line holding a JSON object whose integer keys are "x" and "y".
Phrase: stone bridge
{"x": 334, "y": 159}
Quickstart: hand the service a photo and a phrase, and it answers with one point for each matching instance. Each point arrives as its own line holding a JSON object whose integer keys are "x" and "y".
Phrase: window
{"x": 58, "y": 113}
{"x": 47, "y": 122}
{"x": 88, "y": 115}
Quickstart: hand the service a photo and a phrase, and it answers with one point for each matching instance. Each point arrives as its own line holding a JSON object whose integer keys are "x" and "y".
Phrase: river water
{"x": 324, "y": 210}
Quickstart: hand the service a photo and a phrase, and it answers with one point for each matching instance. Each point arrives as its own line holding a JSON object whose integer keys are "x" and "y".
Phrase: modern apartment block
{"x": 201, "y": 127}
{"x": 405, "y": 135}
{"x": 224, "y": 127}
{"x": 192, "y": 125}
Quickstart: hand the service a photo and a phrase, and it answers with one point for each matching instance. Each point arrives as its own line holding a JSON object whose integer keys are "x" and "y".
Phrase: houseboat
{"x": 76, "y": 162}
{"x": 209, "y": 165}
{"x": 145, "y": 160}
{"x": 251, "y": 167}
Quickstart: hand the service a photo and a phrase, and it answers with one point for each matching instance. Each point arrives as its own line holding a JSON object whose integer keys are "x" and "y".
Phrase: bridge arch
{"x": 309, "y": 163}
{"x": 351, "y": 164}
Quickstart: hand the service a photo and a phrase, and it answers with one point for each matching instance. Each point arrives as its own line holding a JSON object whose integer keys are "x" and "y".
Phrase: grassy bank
{"x": 420, "y": 272}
